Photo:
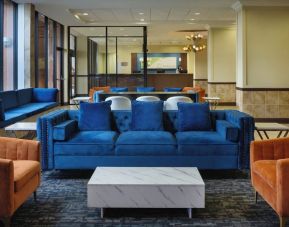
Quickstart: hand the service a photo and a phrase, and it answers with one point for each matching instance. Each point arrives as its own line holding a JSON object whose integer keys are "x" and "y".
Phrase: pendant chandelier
{"x": 198, "y": 43}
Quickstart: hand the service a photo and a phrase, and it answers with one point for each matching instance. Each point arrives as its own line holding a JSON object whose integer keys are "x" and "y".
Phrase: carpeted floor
{"x": 62, "y": 202}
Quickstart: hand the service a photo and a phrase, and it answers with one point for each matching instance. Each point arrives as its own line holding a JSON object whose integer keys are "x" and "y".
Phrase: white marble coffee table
{"x": 146, "y": 187}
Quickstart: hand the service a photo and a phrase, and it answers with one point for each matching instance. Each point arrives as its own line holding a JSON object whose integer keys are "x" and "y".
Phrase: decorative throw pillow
{"x": 95, "y": 116}
{"x": 147, "y": 116}
{"x": 194, "y": 117}
{"x": 45, "y": 94}
{"x": 2, "y": 115}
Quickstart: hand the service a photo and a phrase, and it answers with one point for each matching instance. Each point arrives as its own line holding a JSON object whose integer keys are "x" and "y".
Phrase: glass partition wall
{"x": 104, "y": 56}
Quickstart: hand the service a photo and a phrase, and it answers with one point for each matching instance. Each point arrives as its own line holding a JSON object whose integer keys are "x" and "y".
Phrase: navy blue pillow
{"x": 94, "y": 116}
{"x": 147, "y": 116}
{"x": 2, "y": 115}
{"x": 194, "y": 117}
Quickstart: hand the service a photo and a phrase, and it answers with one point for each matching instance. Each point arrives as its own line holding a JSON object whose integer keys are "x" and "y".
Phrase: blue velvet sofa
{"x": 20, "y": 104}
{"x": 64, "y": 146}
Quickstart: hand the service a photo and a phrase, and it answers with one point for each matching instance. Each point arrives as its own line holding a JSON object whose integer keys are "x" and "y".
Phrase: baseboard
{"x": 277, "y": 120}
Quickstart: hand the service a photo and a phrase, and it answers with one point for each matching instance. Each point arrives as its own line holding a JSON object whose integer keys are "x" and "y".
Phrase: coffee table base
{"x": 189, "y": 210}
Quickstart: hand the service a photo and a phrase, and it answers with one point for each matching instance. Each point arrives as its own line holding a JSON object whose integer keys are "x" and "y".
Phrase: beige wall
{"x": 201, "y": 65}
{"x": 81, "y": 67}
{"x": 222, "y": 55}
{"x": 267, "y": 47}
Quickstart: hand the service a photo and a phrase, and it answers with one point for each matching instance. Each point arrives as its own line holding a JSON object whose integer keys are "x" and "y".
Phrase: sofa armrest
{"x": 283, "y": 187}
{"x": 6, "y": 187}
{"x": 272, "y": 149}
{"x": 65, "y": 130}
{"x": 20, "y": 149}
{"x": 246, "y": 125}
{"x": 45, "y": 126}
{"x": 2, "y": 112}
{"x": 227, "y": 130}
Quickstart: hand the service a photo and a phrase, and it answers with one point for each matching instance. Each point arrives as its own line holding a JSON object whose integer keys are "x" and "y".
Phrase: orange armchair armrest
{"x": 6, "y": 187}
{"x": 282, "y": 183}
{"x": 19, "y": 149}
{"x": 272, "y": 149}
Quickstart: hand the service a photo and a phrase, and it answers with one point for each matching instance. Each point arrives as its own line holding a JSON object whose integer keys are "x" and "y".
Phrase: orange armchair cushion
{"x": 266, "y": 169}
{"x": 94, "y": 89}
{"x": 24, "y": 171}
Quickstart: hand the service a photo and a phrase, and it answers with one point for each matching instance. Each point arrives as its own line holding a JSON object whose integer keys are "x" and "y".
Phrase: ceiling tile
{"x": 160, "y": 14}
{"x": 178, "y": 14}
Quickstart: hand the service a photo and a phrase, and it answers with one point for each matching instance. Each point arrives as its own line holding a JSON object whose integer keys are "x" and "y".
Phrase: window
{"x": 9, "y": 48}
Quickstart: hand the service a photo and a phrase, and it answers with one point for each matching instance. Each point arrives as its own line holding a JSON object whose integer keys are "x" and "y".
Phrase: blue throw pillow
{"x": 119, "y": 89}
{"x": 45, "y": 94}
{"x": 2, "y": 115}
{"x": 194, "y": 117}
{"x": 147, "y": 116}
{"x": 94, "y": 116}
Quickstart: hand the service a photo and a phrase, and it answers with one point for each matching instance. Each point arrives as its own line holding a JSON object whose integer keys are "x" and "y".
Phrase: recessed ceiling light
{"x": 141, "y": 13}
{"x": 85, "y": 14}
{"x": 76, "y": 16}
{"x": 141, "y": 19}
{"x": 197, "y": 13}
{"x": 191, "y": 23}
{"x": 192, "y": 19}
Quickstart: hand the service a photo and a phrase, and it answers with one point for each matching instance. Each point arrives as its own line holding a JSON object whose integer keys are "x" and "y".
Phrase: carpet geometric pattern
{"x": 62, "y": 201}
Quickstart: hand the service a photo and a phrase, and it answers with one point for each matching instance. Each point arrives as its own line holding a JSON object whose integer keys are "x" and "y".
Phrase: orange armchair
{"x": 19, "y": 174}
{"x": 201, "y": 91}
{"x": 270, "y": 174}
{"x": 94, "y": 89}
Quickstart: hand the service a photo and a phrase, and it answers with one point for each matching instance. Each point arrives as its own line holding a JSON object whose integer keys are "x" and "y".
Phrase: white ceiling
{"x": 164, "y": 18}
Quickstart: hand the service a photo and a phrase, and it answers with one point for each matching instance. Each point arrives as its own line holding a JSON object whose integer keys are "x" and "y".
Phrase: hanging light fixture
{"x": 199, "y": 43}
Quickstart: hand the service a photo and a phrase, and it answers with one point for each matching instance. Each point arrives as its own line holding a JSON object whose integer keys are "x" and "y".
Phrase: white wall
{"x": 222, "y": 55}
{"x": 81, "y": 68}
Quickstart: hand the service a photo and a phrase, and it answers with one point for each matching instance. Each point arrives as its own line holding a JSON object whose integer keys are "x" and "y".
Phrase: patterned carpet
{"x": 62, "y": 202}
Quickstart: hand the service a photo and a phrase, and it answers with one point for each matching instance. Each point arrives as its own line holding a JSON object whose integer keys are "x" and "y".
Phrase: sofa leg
{"x": 282, "y": 221}
{"x": 256, "y": 196}
{"x": 35, "y": 196}
{"x": 6, "y": 222}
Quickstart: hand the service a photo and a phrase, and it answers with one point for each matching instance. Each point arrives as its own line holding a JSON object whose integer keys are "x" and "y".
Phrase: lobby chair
{"x": 119, "y": 103}
{"x": 94, "y": 89}
{"x": 145, "y": 89}
{"x": 119, "y": 89}
{"x": 148, "y": 98}
{"x": 19, "y": 174}
{"x": 269, "y": 161}
{"x": 200, "y": 90}
{"x": 172, "y": 102}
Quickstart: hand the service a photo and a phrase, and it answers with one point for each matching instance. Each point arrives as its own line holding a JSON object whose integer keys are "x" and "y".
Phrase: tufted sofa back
{"x": 121, "y": 119}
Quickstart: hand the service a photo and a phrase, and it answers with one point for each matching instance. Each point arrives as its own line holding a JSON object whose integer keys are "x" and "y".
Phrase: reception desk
{"x": 157, "y": 80}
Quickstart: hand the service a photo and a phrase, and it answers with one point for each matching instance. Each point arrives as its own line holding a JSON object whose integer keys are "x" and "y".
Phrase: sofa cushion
{"x": 95, "y": 116}
{"x": 9, "y": 99}
{"x": 2, "y": 115}
{"x": 146, "y": 143}
{"x": 45, "y": 94}
{"x": 24, "y": 96}
{"x": 194, "y": 117}
{"x": 32, "y": 108}
{"x": 204, "y": 143}
{"x": 266, "y": 169}
{"x": 85, "y": 143}
{"x": 65, "y": 130}
{"x": 24, "y": 170}
{"x": 147, "y": 116}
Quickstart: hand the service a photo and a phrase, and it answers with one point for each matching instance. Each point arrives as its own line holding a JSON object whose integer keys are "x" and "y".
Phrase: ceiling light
{"x": 85, "y": 14}
{"x": 141, "y": 19}
{"x": 197, "y": 13}
{"x": 191, "y": 23}
{"x": 76, "y": 16}
{"x": 141, "y": 13}
{"x": 192, "y": 19}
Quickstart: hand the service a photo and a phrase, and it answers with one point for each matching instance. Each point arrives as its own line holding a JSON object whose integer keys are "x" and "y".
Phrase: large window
{"x": 48, "y": 53}
{"x": 8, "y": 48}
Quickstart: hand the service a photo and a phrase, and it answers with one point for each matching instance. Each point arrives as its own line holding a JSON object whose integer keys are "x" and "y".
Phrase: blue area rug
{"x": 62, "y": 201}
